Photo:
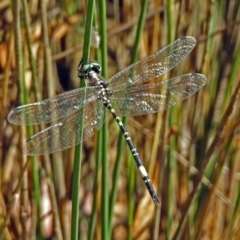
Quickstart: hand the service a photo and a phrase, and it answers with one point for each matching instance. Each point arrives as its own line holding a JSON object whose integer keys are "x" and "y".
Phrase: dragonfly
{"x": 127, "y": 93}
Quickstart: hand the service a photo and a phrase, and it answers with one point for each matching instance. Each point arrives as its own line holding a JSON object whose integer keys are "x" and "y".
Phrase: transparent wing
{"x": 152, "y": 98}
{"x": 52, "y": 109}
{"x": 67, "y": 133}
{"x": 154, "y": 65}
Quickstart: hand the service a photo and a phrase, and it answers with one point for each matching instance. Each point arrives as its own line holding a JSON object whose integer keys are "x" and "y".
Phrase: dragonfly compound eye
{"x": 94, "y": 66}
{"x": 85, "y": 69}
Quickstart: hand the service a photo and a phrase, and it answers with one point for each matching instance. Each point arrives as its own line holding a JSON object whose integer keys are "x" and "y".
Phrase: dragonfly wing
{"x": 154, "y": 65}
{"x": 52, "y": 109}
{"x": 67, "y": 133}
{"x": 152, "y": 98}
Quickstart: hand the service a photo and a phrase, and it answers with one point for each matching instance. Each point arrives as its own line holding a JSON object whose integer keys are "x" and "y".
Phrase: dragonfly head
{"x": 85, "y": 69}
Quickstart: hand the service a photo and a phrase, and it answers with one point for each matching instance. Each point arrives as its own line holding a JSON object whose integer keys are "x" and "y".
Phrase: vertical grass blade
{"x": 78, "y": 148}
{"x": 105, "y": 187}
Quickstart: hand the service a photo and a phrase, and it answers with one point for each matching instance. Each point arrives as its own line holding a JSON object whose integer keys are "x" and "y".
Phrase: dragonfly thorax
{"x": 103, "y": 92}
{"x": 93, "y": 78}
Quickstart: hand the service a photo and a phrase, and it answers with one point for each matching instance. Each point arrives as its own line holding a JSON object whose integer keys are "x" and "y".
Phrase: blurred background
{"x": 191, "y": 151}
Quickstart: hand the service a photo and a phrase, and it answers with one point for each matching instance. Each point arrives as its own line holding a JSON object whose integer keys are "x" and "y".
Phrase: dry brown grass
{"x": 191, "y": 151}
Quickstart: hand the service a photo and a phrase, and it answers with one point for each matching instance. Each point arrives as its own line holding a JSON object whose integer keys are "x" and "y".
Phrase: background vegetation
{"x": 191, "y": 151}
